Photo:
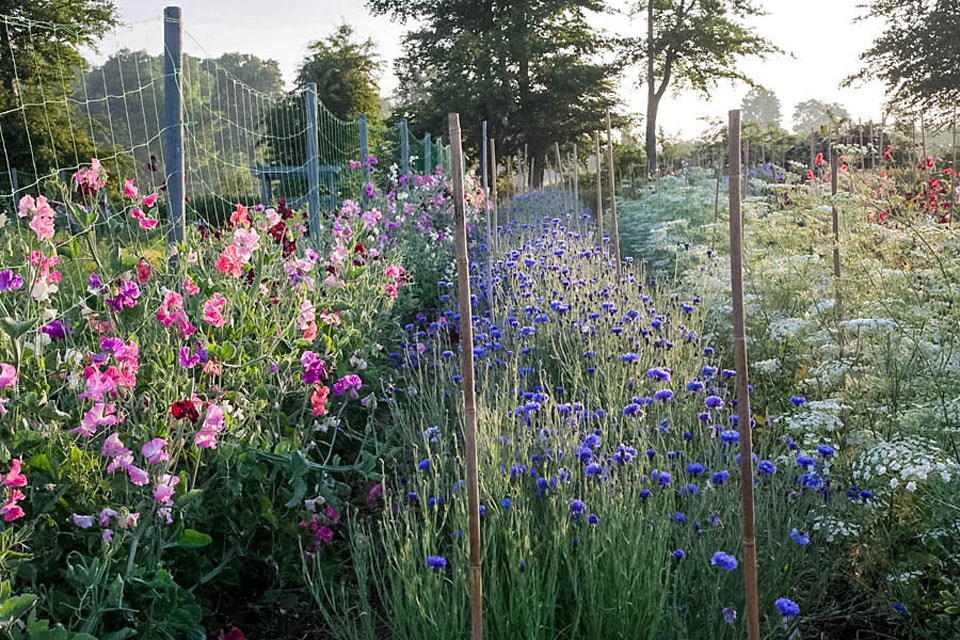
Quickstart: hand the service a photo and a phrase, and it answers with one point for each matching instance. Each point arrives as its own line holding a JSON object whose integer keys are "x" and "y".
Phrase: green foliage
{"x": 345, "y": 69}
{"x": 533, "y": 69}
{"x": 692, "y": 44}
{"x": 918, "y": 54}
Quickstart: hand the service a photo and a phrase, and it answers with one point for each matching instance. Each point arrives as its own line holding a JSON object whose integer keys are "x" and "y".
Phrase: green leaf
{"x": 193, "y": 539}
{"x": 123, "y": 634}
{"x": 16, "y": 328}
{"x": 14, "y": 607}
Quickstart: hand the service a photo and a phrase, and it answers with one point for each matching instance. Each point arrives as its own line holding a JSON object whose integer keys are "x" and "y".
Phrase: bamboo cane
{"x": 493, "y": 193}
{"x": 752, "y": 617}
{"x": 599, "y": 213}
{"x": 613, "y": 199}
{"x": 469, "y": 394}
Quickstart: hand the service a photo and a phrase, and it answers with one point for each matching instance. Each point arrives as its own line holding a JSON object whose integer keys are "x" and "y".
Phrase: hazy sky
{"x": 821, "y": 38}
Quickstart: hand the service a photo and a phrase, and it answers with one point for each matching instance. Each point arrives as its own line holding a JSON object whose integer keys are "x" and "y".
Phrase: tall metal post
{"x": 427, "y": 160}
{"x": 752, "y": 617}
{"x": 469, "y": 392}
{"x": 404, "y": 147}
{"x": 313, "y": 159}
{"x": 493, "y": 193}
{"x": 174, "y": 170}
{"x": 364, "y": 151}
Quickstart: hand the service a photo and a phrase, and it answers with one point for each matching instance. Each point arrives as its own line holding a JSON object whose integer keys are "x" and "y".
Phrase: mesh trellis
{"x": 240, "y": 144}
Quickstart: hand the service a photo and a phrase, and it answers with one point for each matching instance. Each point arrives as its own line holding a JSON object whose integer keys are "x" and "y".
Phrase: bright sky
{"x": 822, "y": 36}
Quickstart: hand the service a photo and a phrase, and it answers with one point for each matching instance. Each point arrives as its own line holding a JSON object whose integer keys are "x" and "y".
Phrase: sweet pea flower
{"x": 130, "y": 190}
{"x": 100, "y": 415}
{"x": 213, "y": 424}
{"x": 213, "y": 310}
{"x": 14, "y": 478}
{"x": 10, "y": 509}
{"x": 149, "y": 201}
{"x": 163, "y": 490}
{"x": 84, "y": 522}
{"x": 8, "y": 375}
{"x": 153, "y": 451}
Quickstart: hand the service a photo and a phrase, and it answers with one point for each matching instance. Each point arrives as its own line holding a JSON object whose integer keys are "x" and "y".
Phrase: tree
{"x": 811, "y": 115}
{"x": 257, "y": 73}
{"x": 918, "y": 54}
{"x": 761, "y": 106}
{"x": 346, "y": 72}
{"x": 40, "y": 59}
{"x": 694, "y": 44}
{"x": 531, "y": 68}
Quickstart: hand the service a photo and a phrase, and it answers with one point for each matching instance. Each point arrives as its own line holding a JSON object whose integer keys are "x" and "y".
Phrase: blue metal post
{"x": 312, "y": 165}
{"x": 174, "y": 169}
{"x": 364, "y": 148}
{"x": 427, "y": 169}
{"x": 404, "y": 147}
{"x": 14, "y": 184}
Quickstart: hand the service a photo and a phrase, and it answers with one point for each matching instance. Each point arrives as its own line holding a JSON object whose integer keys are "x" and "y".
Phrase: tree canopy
{"x": 534, "y": 69}
{"x": 811, "y": 115}
{"x": 917, "y": 56}
{"x": 346, "y": 71}
{"x": 37, "y": 67}
{"x": 693, "y": 44}
{"x": 761, "y": 106}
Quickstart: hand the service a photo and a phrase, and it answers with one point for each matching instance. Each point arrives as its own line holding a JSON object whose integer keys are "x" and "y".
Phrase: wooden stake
{"x": 599, "y": 213}
{"x": 509, "y": 192}
{"x": 613, "y": 200}
{"x": 563, "y": 195}
{"x": 576, "y": 179}
{"x": 752, "y": 617}
{"x": 493, "y": 194}
{"x": 469, "y": 394}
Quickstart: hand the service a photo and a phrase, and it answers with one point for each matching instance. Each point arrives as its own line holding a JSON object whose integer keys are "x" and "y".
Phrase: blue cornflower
{"x": 800, "y": 539}
{"x": 730, "y": 436}
{"x": 447, "y": 354}
{"x": 866, "y": 494}
{"x": 805, "y": 461}
{"x": 593, "y": 519}
{"x": 644, "y": 494}
{"x": 694, "y": 468}
{"x": 729, "y": 614}
{"x": 506, "y": 503}
{"x": 628, "y": 357}
{"x": 788, "y": 608}
{"x": 798, "y": 400}
{"x": 577, "y": 507}
{"x": 631, "y": 409}
{"x": 695, "y": 385}
{"x": 593, "y": 469}
{"x": 825, "y": 450}
{"x": 436, "y": 562}
{"x": 900, "y": 609}
{"x": 424, "y": 464}
{"x": 713, "y": 402}
{"x": 663, "y": 395}
{"x": 724, "y": 560}
{"x": 767, "y": 467}
{"x": 664, "y": 478}
{"x": 660, "y": 373}
{"x": 720, "y": 477}
{"x": 728, "y": 373}
{"x": 679, "y": 554}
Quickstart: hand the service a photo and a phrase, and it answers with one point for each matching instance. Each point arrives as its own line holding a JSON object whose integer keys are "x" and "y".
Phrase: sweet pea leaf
{"x": 193, "y": 539}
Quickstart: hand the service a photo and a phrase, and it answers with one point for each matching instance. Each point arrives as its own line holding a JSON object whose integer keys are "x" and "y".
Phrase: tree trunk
{"x": 653, "y": 102}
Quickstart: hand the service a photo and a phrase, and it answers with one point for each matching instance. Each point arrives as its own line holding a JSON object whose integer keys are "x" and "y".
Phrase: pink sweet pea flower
{"x": 148, "y": 223}
{"x": 213, "y": 423}
{"x": 163, "y": 490}
{"x": 213, "y": 310}
{"x": 150, "y": 200}
{"x": 130, "y": 190}
{"x": 14, "y": 478}
{"x": 43, "y": 227}
{"x": 100, "y": 415}
{"x": 153, "y": 451}
{"x": 11, "y": 510}
{"x": 8, "y": 375}
{"x": 137, "y": 475}
{"x": 229, "y": 262}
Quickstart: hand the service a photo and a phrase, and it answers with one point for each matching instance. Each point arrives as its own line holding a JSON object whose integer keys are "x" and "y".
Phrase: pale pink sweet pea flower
{"x": 130, "y": 190}
{"x": 213, "y": 310}
{"x": 163, "y": 490}
{"x": 213, "y": 424}
{"x": 100, "y": 415}
{"x": 137, "y": 475}
{"x": 26, "y": 206}
{"x": 153, "y": 451}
